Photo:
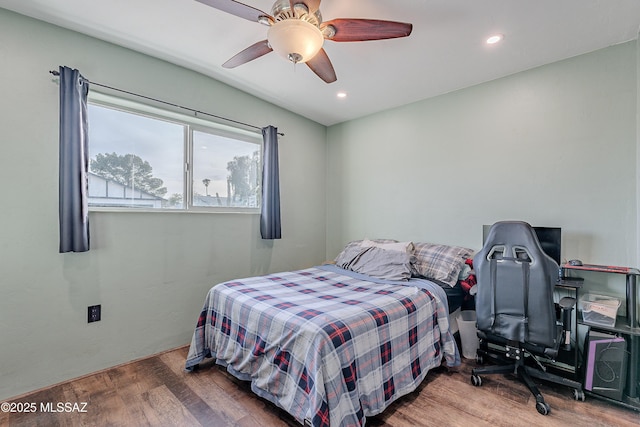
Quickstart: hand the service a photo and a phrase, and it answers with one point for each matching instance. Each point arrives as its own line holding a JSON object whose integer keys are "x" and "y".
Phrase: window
{"x": 146, "y": 158}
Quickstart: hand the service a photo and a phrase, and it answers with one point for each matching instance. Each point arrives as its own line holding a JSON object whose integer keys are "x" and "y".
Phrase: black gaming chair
{"x": 516, "y": 315}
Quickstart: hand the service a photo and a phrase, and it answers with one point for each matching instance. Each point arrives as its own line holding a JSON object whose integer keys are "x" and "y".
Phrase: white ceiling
{"x": 445, "y": 52}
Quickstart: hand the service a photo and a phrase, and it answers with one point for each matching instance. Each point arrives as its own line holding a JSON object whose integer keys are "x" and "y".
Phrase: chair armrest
{"x": 567, "y": 303}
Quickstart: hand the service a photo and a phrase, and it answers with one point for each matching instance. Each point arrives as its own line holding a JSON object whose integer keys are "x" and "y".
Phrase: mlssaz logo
{"x": 80, "y": 407}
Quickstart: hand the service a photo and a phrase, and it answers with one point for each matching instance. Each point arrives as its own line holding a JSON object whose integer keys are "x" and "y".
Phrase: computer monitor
{"x": 550, "y": 239}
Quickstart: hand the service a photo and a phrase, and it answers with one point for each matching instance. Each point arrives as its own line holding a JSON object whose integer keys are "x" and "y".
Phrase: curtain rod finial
{"x": 54, "y": 72}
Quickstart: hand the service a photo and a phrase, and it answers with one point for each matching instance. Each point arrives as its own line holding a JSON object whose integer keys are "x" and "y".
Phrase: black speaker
{"x": 606, "y": 367}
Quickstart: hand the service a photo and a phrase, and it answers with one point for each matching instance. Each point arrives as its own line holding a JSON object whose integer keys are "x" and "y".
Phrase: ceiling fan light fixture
{"x": 295, "y": 40}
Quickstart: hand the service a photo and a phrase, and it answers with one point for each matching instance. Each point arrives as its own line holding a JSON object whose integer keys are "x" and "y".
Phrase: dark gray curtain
{"x": 270, "y": 213}
{"x": 74, "y": 162}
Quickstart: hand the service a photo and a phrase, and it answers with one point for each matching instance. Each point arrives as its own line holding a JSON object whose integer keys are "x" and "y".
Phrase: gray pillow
{"x": 358, "y": 244}
{"x": 376, "y": 262}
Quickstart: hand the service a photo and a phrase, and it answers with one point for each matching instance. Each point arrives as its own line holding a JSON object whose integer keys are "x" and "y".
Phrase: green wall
{"x": 150, "y": 271}
{"x": 554, "y": 146}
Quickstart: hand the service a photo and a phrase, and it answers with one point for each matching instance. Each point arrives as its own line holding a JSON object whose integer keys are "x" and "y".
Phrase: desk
{"x": 628, "y": 325}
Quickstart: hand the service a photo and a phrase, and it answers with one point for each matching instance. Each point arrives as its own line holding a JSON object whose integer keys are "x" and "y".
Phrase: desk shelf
{"x": 621, "y": 326}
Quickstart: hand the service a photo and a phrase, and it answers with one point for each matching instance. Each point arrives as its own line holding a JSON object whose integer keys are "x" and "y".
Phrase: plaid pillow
{"x": 439, "y": 262}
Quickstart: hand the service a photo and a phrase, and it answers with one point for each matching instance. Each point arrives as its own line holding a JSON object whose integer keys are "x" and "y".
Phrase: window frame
{"x": 190, "y": 125}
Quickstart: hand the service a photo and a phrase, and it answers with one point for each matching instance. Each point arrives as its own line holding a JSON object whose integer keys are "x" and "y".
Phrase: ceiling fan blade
{"x": 355, "y": 30}
{"x": 321, "y": 65}
{"x": 254, "y": 51}
{"x": 237, "y": 9}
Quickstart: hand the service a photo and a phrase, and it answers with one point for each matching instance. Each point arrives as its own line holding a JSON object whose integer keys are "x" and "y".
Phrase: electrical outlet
{"x": 93, "y": 313}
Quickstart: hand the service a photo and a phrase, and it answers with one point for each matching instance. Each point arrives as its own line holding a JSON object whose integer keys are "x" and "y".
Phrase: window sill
{"x": 179, "y": 211}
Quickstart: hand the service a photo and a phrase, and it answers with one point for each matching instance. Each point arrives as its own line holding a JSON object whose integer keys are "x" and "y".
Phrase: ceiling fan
{"x": 297, "y": 33}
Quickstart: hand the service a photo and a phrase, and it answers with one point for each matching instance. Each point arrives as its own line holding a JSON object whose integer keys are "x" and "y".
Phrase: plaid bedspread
{"x": 326, "y": 347}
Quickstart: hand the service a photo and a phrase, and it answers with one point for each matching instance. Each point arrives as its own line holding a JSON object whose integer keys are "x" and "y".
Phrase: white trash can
{"x": 468, "y": 334}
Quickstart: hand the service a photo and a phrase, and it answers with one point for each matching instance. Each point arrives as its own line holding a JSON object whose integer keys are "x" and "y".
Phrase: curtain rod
{"x": 57, "y": 73}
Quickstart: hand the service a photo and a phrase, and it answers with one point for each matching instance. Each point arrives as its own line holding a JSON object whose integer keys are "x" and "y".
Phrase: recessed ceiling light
{"x": 341, "y": 94}
{"x": 495, "y": 39}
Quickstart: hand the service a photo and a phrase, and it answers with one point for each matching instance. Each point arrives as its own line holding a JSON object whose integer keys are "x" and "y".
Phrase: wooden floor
{"x": 157, "y": 392}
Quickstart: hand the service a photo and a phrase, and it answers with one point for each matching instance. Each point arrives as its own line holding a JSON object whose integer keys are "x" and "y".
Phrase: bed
{"x": 329, "y": 345}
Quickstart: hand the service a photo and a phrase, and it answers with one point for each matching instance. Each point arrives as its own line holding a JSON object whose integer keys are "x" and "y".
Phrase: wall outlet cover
{"x": 93, "y": 313}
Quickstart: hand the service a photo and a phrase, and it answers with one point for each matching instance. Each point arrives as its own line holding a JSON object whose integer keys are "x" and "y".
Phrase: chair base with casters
{"x": 512, "y": 360}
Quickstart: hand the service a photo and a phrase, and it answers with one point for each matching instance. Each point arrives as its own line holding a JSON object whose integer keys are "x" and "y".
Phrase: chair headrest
{"x": 515, "y": 239}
